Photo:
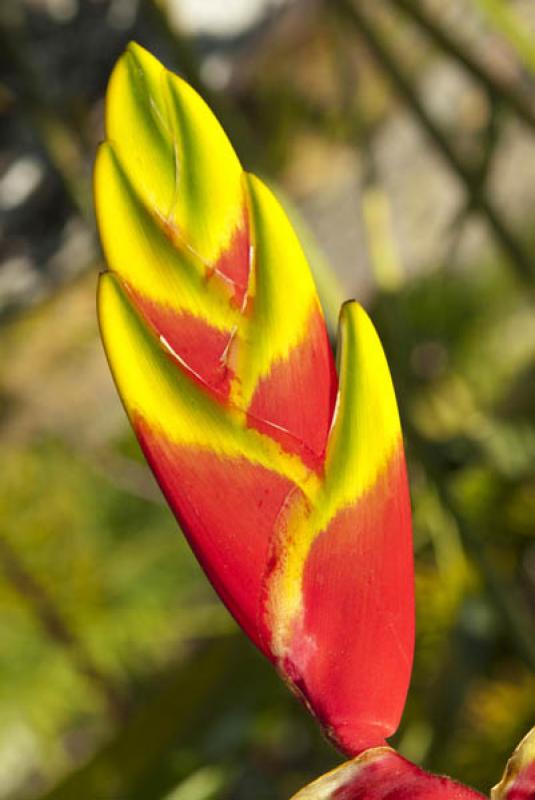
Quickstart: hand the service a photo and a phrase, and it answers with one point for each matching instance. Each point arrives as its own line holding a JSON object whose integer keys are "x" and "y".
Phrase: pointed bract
{"x": 291, "y": 490}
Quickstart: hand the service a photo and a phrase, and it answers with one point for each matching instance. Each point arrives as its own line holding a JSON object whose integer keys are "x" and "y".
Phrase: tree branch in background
{"x": 518, "y": 258}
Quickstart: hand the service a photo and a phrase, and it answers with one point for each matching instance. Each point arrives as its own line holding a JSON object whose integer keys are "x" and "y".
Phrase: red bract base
{"x": 518, "y": 782}
{"x": 382, "y": 774}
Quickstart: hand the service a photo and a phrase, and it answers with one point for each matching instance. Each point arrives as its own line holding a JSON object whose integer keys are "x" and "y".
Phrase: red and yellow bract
{"x": 286, "y": 473}
{"x": 382, "y": 774}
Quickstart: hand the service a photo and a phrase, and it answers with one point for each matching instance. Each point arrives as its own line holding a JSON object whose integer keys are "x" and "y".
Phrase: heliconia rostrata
{"x": 285, "y": 471}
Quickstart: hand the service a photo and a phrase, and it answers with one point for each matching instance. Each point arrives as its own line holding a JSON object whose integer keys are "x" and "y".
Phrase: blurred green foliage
{"x": 121, "y": 675}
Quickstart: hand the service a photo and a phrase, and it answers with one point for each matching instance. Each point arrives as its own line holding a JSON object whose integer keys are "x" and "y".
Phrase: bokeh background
{"x": 402, "y": 134}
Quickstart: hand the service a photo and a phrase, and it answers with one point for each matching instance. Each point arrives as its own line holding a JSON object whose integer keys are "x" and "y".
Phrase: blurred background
{"x": 402, "y": 134}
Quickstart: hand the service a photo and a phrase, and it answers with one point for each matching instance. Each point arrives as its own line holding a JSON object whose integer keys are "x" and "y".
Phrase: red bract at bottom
{"x": 382, "y": 774}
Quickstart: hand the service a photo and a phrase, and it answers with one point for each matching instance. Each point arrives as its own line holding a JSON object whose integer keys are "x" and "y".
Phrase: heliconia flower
{"x": 287, "y": 477}
{"x": 518, "y": 782}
